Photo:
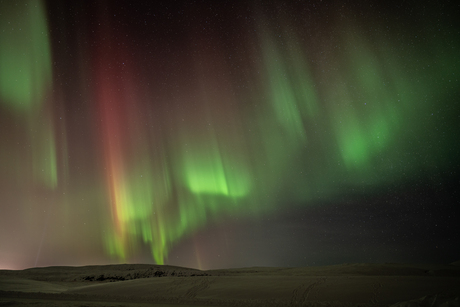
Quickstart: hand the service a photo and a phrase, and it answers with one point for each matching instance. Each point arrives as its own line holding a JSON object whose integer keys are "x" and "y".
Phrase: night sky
{"x": 216, "y": 134}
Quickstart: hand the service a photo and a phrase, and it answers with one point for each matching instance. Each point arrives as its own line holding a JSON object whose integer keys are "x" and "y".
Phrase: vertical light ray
{"x": 282, "y": 95}
{"x": 25, "y": 79}
{"x": 25, "y": 56}
{"x": 112, "y": 134}
{"x": 44, "y": 158}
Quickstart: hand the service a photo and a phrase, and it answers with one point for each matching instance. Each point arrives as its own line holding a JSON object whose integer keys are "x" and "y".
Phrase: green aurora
{"x": 156, "y": 161}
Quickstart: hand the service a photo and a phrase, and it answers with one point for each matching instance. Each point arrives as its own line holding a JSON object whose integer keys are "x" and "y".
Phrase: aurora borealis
{"x": 232, "y": 134}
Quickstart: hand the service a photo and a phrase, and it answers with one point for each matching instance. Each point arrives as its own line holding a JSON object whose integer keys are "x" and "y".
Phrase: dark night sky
{"x": 228, "y": 134}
